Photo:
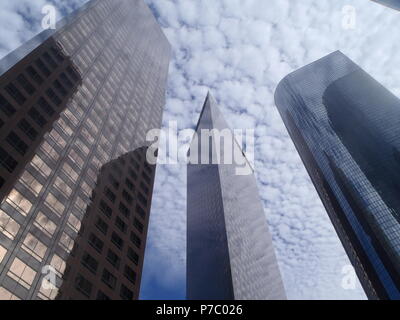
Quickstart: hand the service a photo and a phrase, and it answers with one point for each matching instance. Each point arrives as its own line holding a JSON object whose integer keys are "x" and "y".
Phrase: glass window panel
{"x": 45, "y": 224}
{"x": 58, "y": 264}
{"x": 55, "y": 204}
{"x": 66, "y": 242}
{"x": 34, "y": 247}
{"x": 8, "y": 226}
{"x": 7, "y": 295}
{"x": 74, "y": 223}
{"x": 62, "y": 186}
{"x": 3, "y": 252}
{"x": 21, "y": 273}
{"x": 19, "y": 202}
{"x": 41, "y": 166}
{"x": 31, "y": 183}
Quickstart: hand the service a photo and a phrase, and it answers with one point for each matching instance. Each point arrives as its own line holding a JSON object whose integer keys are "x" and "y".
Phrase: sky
{"x": 240, "y": 50}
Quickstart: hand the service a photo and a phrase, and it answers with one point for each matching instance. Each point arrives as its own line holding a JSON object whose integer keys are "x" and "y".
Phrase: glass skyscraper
{"x": 75, "y": 102}
{"x": 230, "y": 254}
{"x": 394, "y": 4}
{"x": 346, "y": 128}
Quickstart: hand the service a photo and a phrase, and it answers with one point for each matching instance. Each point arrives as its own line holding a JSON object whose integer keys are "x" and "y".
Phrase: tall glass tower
{"x": 230, "y": 254}
{"x": 75, "y": 102}
{"x": 394, "y": 4}
{"x": 346, "y": 128}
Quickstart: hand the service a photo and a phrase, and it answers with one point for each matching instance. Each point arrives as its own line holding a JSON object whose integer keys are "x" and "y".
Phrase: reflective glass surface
{"x": 72, "y": 101}
{"x": 346, "y": 128}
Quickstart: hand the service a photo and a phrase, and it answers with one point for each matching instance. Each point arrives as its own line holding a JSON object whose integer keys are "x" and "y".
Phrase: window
{"x": 7, "y": 295}
{"x": 105, "y": 209}
{"x": 8, "y": 226}
{"x": 41, "y": 166}
{"x": 83, "y": 285}
{"x": 138, "y": 225}
{"x": 113, "y": 181}
{"x": 37, "y": 117}
{"x": 26, "y": 128}
{"x": 45, "y": 224}
{"x": 73, "y": 74}
{"x": 74, "y": 223}
{"x": 34, "y": 75}
{"x": 133, "y": 256}
{"x": 140, "y": 211}
{"x": 63, "y": 187}
{"x": 34, "y": 247}
{"x": 89, "y": 262}
{"x": 46, "y": 107}
{"x": 133, "y": 174}
{"x": 109, "y": 194}
{"x": 66, "y": 82}
{"x": 71, "y": 173}
{"x": 66, "y": 242}
{"x": 144, "y": 188}
{"x": 54, "y": 204}
{"x": 19, "y": 202}
{"x": 17, "y": 143}
{"x": 13, "y": 91}
{"x": 124, "y": 210}
{"x": 136, "y": 240}
{"x": 21, "y": 273}
{"x": 49, "y": 60}
{"x": 58, "y": 264}
{"x": 130, "y": 274}
{"x": 113, "y": 258}
{"x": 56, "y": 53}
{"x": 23, "y": 81}
{"x": 101, "y": 225}
{"x": 127, "y": 197}
{"x": 102, "y": 296}
{"x": 53, "y": 97}
{"x": 121, "y": 225}
{"x": 142, "y": 199}
{"x": 6, "y": 107}
{"x": 129, "y": 184}
{"x": 109, "y": 279}
{"x": 7, "y": 161}
{"x": 146, "y": 178}
{"x": 31, "y": 183}
{"x": 95, "y": 242}
{"x": 117, "y": 240}
{"x": 60, "y": 88}
{"x": 125, "y": 293}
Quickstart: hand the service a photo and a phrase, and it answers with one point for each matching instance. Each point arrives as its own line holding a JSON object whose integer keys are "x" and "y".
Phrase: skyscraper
{"x": 230, "y": 253}
{"x": 346, "y": 128}
{"x": 394, "y": 4}
{"x": 72, "y": 101}
{"x": 119, "y": 211}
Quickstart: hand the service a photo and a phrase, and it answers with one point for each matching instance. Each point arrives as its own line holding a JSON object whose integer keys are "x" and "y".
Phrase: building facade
{"x": 230, "y": 253}
{"x": 109, "y": 248}
{"x": 346, "y": 128}
{"x": 73, "y": 101}
{"x": 394, "y": 4}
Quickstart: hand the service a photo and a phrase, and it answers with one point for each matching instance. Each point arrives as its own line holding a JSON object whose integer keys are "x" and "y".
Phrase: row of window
{"x": 86, "y": 287}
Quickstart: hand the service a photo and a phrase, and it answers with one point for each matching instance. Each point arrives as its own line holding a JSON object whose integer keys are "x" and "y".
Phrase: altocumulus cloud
{"x": 240, "y": 50}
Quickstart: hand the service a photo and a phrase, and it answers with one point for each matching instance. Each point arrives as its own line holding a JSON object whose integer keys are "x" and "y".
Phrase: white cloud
{"x": 241, "y": 50}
